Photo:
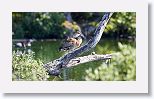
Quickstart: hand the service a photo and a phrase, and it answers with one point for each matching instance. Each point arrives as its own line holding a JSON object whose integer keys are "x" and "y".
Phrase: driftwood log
{"x": 68, "y": 60}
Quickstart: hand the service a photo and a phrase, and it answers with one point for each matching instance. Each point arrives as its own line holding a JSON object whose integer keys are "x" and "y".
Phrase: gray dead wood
{"x": 89, "y": 58}
{"x": 54, "y": 67}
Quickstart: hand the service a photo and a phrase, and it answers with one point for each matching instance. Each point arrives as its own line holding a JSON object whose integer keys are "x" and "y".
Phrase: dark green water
{"x": 48, "y": 51}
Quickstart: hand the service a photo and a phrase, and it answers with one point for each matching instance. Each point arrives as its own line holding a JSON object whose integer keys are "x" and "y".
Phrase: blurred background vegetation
{"x": 37, "y": 37}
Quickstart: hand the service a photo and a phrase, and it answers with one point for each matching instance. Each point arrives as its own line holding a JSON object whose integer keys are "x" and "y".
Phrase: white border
{"x": 9, "y": 86}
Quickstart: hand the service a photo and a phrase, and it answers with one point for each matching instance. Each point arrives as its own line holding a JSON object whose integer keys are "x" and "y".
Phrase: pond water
{"x": 48, "y": 51}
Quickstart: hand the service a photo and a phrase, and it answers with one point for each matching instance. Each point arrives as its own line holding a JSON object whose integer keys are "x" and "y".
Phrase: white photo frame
{"x": 138, "y": 86}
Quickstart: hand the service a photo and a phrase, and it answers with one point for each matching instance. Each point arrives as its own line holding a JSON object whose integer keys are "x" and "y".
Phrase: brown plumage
{"x": 76, "y": 42}
{"x": 72, "y": 42}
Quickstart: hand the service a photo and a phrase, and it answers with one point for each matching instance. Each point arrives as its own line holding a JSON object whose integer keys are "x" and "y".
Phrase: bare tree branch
{"x": 55, "y": 66}
{"x": 89, "y": 58}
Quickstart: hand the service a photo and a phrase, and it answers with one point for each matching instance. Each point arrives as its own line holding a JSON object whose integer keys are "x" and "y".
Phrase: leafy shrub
{"x": 122, "y": 24}
{"x": 121, "y": 68}
{"x": 25, "y": 67}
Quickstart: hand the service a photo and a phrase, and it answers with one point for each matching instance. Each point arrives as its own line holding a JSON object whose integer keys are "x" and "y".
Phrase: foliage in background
{"x": 122, "y": 25}
{"x": 121, "y": 68}
{"x": 41, "y": 25}
{"x": 25, "y": 67}
{"x": 37, "y": 25}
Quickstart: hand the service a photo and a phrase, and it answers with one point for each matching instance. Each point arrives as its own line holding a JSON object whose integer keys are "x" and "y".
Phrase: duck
{"x": 72, "y": 42}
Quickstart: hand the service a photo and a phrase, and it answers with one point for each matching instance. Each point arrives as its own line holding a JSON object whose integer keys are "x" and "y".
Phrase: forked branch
{"x": 55, "y": 66}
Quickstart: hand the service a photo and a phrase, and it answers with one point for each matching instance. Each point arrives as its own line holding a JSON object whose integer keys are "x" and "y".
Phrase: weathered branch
{"x": 55, "y": 66}
{"x": 89, "y": 58}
